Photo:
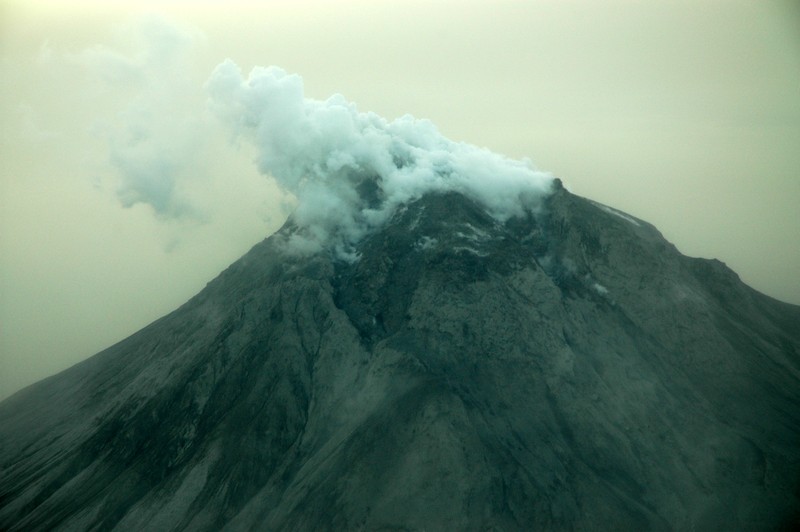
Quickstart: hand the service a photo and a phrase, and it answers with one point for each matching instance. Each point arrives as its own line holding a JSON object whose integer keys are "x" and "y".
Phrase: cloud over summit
{"x": 350, "y": 170}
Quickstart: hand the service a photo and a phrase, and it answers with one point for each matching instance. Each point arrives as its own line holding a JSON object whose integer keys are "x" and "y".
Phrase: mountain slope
{"x": 568, "y": 369}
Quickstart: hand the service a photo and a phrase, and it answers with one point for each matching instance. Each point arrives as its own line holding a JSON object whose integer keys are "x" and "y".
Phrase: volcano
{"x": 566, "y": 368}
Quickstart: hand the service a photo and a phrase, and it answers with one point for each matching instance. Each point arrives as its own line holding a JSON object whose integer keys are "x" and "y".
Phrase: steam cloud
{"x": 350, "y": 170}
{"x": 155, "y": 136}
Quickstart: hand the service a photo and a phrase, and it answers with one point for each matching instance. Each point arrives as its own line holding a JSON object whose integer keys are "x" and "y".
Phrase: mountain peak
{"x": 565, "y": 367}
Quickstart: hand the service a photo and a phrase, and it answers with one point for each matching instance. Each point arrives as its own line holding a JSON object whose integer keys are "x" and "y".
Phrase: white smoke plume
{"x": 351, "y": 170}
{"x": 156, "y": 131}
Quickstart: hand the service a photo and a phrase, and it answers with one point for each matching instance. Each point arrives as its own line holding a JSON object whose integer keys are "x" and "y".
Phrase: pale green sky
{"x": 683, "y": 113}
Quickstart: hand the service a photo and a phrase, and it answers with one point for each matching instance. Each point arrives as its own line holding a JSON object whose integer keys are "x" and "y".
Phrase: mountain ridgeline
{"x": 568, "y": 369}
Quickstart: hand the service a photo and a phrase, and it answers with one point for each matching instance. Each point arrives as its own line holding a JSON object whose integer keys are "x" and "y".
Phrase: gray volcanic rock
{"x": 569, "y": 370}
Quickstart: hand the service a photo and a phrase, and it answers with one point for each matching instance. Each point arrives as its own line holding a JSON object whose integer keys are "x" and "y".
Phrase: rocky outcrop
{"x": 566, "y": 370}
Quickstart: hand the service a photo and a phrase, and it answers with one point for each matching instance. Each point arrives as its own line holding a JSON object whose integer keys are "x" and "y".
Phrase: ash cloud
{"x": 351, "y": 170}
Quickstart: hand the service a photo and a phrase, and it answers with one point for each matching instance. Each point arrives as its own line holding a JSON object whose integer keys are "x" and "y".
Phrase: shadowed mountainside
{"x": 566, "y": 370}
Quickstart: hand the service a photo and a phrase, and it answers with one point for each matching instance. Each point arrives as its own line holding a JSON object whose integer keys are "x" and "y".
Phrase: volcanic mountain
{"x": 566, "y": 368}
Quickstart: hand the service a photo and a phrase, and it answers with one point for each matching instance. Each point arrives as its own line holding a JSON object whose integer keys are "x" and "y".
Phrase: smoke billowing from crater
{"x": 350, "y": 170}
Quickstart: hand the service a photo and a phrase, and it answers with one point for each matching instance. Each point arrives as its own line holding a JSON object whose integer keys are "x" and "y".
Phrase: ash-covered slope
{"x": 568, "y": 369}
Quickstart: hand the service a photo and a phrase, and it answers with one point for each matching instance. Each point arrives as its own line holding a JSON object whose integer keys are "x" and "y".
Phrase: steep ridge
{"x": 568, "y": 369}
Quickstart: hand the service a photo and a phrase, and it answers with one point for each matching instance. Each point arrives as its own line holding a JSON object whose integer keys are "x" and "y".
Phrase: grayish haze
{"x": 121, "y": 193}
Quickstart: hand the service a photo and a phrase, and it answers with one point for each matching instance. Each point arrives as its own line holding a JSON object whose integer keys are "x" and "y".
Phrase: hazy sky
{"x": 121, "y": 195}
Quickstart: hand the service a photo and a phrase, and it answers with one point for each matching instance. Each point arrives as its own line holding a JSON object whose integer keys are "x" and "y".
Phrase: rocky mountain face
{"x": 566, "y": 370}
